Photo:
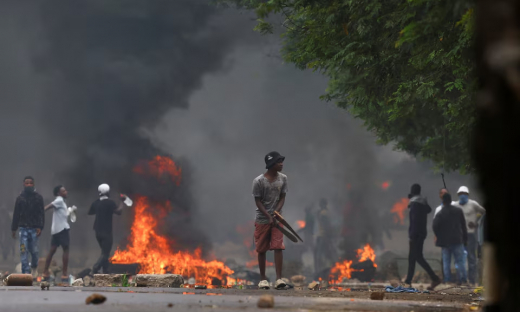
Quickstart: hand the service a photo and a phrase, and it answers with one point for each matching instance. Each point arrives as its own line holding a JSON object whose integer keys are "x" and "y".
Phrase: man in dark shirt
{"x": 450, "y": 228}
{"x": 104, "y": 208}
{"x": 419, "y": 210}
{"x": 28, "y": 219}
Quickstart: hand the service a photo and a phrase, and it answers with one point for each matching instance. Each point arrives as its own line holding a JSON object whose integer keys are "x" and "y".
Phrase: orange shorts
{"x": 268, "y": 237}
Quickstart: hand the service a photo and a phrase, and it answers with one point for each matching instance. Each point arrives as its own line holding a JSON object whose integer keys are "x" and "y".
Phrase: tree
{"x": 405, "y": 67}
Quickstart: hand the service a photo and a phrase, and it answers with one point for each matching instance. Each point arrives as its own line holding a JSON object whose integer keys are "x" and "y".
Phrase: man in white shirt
{"x": 59, "y": 230}
{"x": 473, "y": 211}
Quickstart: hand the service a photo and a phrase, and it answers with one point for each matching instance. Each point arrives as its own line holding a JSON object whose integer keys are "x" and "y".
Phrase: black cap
{"x": 272, "y": 158}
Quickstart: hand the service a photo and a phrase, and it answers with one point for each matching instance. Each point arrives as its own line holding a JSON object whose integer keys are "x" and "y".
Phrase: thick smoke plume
{"x": 82, "y": 81}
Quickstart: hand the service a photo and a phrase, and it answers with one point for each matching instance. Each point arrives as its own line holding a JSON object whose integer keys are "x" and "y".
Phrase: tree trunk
{"x": 497, "y": 143}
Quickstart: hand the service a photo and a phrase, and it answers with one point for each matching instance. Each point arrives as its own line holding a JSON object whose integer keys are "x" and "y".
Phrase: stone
{"x": 108, "y": 280}
{"x": 156, "y": 280}
{"x": 266, "y": 302}
{"x": 314, "y": 286}
{"x": 87, "y": 281}
{"x": 395, "y": 283}
{"x": 78, "y": 282}
{"x": 96, "y": 298}
{"x": 298, "y": 279}
{"x": 377, "y": 295}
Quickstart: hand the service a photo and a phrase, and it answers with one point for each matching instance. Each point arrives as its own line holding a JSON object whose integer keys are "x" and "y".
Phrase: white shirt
{"x": 471, "y": 209}
{"x": 59, "y": 218}
{"x": 438, "y": 209}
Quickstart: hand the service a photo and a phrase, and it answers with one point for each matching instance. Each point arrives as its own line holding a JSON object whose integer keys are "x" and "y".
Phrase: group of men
{"x": 29, "y": 220}
{"x": 454, "y": 225}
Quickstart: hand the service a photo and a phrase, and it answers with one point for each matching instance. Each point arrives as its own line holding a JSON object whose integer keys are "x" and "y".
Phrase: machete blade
{"x": 285, "y": 232}
{"x": 282, "y": 220}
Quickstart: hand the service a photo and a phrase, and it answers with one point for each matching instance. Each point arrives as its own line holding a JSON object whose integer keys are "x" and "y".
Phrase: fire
{"x": 398, "y": 209}
{"x": 300, "y": 223}
{"x": 367, "y": 253}
{"x": 343, "y": 270}
{"x": 160, "y": 166}
{"x": 154, "y": 252}
{"x": 385, "y": 185}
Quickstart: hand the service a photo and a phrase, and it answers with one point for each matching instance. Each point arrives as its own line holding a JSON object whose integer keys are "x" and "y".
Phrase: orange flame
{"x": 300, "y": 223}
{"x": 398, "y": 209}
{"x": 367, "y": 253}
{"x": 343, "y": 270}
{"x": 154, "y": 252}
{"x": 159, "y": 167}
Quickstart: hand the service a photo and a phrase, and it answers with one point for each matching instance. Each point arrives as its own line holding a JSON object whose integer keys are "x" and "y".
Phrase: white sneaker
{"x": 34, "y": 273}
{"x": 280, "y": 284}
{"x": 263, "y": 284}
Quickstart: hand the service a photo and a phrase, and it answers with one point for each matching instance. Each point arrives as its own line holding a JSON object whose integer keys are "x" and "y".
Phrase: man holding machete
{"x": 269, "y": 190}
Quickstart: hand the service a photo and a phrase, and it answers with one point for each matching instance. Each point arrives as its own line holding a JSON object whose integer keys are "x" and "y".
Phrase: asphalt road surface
{"x": 72, "y": 299}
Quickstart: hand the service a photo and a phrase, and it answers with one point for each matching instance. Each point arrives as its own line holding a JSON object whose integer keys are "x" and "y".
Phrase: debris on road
{"x": 44, "y": 285}
{"x": 87, "y": 281}
{"x": 266, "y": 302}
{"x": 201, "y": 287}
{"x": 314, "y": 286}
{"x": 156, "y": 280}
{"x": 298, "y": 279}
{"x": 78, "y": 282}
{"x": 108, "y": 280}
{"x": 95, "y": 299}
{"x": 19, "y": 280}
{"x": 377, "y": 295}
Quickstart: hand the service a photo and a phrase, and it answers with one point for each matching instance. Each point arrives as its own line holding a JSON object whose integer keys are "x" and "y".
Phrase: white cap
{"x": 463, "y": 189}
{"x": 103, "y": 189}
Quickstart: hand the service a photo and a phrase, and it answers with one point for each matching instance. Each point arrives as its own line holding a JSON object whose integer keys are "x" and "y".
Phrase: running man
{"x": 59, "y": 231}
{"x": 269, "y": 191}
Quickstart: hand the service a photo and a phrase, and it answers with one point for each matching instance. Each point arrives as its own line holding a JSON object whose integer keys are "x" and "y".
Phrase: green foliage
{"x": 405, "y": 67}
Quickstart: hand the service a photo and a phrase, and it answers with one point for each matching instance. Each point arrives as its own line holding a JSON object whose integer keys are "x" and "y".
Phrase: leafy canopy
{"x": 405, "y": 67}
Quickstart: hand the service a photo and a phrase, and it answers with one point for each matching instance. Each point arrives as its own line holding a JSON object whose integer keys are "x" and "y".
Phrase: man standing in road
{"x": 59, "y": 231}
{"x": 269, "y": 191}
{"x": 419, "y": 210}
{"x": 449, "y": 227}
{"x": 28, "y": 219}
{"x": 104, "y": 208}
{"x": 472, "y": 212}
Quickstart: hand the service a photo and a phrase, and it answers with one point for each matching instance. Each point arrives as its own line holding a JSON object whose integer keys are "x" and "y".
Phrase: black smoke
{"x": 83, "y": 82}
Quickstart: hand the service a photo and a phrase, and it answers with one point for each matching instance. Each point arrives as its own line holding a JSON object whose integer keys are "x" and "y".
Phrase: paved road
{"x": 136, "y": 299}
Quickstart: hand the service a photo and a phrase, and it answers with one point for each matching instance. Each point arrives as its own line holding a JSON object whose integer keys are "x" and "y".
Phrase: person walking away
{"x": 308, "y": 230}
{"x": 28, "y": 219}
{"x": 59, "y": 231}
{"x": 325, "y": 253}
{"x": 104, "y": 208}
{"x": 472, "y": 212}
{"x": 269, "y": 190}
{"x": 449, "y": 227}
{"x": 419, "y": 210}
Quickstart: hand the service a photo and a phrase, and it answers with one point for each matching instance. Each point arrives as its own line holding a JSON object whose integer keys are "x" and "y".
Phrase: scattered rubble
{"x": 108, "y": 280}
{"x": 96, "y": 298}
{"x": 19, "y": 280}
{"x": 377, "y": 295}
{"x": 201, "y": 287}
{"x": 78, "y": 282}
{"x": 314, "y": 286}
{"x": 87, "y": 281}
{"x": 163, "y": 280}
{"x": 44, "y": 285}
{"x": 298, "y": 279}
{"x": 266, "y": 302}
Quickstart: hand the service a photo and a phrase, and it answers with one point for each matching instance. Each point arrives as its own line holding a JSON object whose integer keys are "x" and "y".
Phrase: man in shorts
{"x": 269, "y": 190}
{"x": 59, "y": 231}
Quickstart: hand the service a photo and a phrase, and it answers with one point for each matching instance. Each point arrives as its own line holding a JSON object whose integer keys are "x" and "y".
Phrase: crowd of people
{"x": 28, "y": 222}
{"x": 455, "y": 225}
